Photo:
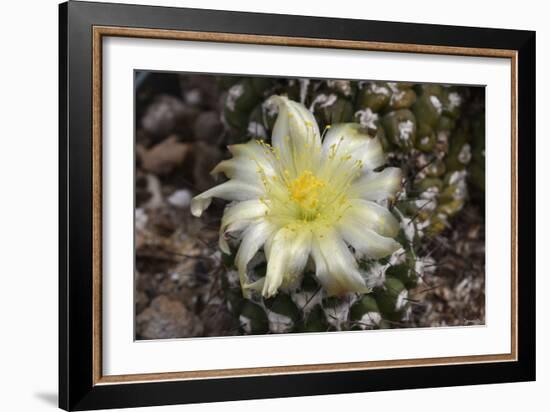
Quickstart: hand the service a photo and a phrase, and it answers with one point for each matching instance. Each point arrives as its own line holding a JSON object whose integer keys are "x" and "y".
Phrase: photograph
{"x": 273, "y": 205}
{"x": 257, "y": 205}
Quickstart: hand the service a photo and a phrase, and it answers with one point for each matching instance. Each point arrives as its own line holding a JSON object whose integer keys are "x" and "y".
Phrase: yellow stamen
{"x": 305, "y": 191}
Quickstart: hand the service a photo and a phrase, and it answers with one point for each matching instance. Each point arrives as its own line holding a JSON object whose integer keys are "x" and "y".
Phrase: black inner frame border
{"x": 76, "y": 387}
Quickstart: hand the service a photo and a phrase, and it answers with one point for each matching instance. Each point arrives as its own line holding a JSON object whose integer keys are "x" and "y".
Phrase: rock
{"x": 163, "y": 221}
{"x": 145, "y": 282}
{"x": 163, "y": 158}
{"x": 154, "y": 187}
{"x": 140, "y": 224}
{"x": 218, "y": 321}
{"x": 140, "y": 219}
{"x": 166, "y": 115}
{"x": 208, "y": 127}
{"x": 180, "y": 198}
{"x": 200, "y": 90}
{"x": 140, "y": 241}
{"x": 206, "y": 158}
{"x": 142, "y": 192}
{"x": 141, "y": 301}
{"x": 168, "y": 319}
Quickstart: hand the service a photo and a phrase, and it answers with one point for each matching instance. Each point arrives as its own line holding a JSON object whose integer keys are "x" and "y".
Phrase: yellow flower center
{"x": 305, "y": 191}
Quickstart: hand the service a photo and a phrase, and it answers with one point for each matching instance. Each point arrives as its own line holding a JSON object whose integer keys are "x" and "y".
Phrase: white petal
{"x": 295, "y": 136}
{"x": 238, "y": 226}
{"x": 373, "y": 216}
{"x": 335, "y": 266}
{"x": 275, "y": 269}
{"x": 378, "y": 185}
{"x": 256, "y": 286}
{"x": 238, "y": 216}
{"x": 249, "y": 161}
{"x": 245, "y": 171}
{"x": 248, "y": 209}
{"x": 288, "y": 254}
{"x": 366, "y": 242}
{"x": 230, "y": 190}
{"x": 349, "y": 139}
{"x": 251, "y": 150}
{"x": 267, "y": 246}
{"x": 253, "y": 239}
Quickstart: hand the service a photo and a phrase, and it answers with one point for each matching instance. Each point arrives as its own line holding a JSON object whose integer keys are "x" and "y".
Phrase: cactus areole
{"x": 306, "y": 200}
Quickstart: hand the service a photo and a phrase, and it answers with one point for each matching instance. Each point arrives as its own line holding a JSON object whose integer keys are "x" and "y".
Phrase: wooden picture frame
{"x": 82, "y": 384}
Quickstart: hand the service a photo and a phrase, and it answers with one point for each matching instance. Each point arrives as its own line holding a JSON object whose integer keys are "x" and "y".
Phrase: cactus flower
{"x": 307, "y": 199}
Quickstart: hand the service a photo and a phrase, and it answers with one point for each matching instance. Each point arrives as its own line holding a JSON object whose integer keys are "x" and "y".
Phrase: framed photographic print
{"x": 257, "y": 205}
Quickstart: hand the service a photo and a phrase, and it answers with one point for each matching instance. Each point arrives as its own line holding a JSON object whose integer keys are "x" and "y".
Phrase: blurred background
{"x": 184, "y": 286}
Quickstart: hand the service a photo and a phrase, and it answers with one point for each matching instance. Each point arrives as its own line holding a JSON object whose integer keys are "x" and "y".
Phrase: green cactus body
{"x": 424, "y": 131}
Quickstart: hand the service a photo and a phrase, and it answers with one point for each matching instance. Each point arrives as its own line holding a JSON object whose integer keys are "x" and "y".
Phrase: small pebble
{"x": 180, "y": 198}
